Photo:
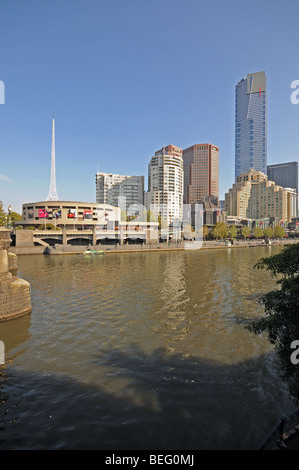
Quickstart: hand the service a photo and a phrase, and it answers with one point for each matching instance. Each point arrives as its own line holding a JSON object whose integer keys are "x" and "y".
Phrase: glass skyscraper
{"x": 251, "y": 124}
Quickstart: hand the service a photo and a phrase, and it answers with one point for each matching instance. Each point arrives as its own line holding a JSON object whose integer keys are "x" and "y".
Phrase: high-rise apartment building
{"x": 254, "y": 196}
{"x": 251, "y": 124}
{"x": 119, "y": 190}
{"x": 166, "y": 183}
{"x": 285, "y": 175}
{"x": 201, "y": 173}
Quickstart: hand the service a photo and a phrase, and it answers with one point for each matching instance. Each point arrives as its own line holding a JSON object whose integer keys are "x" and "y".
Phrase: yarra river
{"x": 141, "y": 351}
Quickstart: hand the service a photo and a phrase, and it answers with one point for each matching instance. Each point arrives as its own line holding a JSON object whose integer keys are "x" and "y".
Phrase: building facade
{"x": 201, "y": 173}
{"x": 285, "y": 175}
{"x": 76, "y": 220}
{"x": 119, "y": 190}
{"x": 254, "y": 196}
{"x": 251, "y": 124}
{"x": 68, "y": 215}
{"x": 166, "y": 183}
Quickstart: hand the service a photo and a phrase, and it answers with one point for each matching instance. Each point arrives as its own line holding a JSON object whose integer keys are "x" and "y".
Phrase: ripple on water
{"x": 147, "y": 349}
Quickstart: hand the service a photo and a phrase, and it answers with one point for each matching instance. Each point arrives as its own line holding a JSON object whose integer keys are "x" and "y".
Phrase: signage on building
{"x": 87, "y": 214}
{"x": 56, "y": 214}
{"x": 43, "y": 214}
{"x": 72, "y": 214}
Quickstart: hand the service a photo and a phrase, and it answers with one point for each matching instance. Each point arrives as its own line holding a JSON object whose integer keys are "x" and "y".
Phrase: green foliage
{"x": 3, "y": 219}
{"x": 268, "y": 232}
{"x": 233, "y": 231}
{"x": 281, "y": 320}
{"x": 220, "y": 230}
{"x": 245, "y": 231}
{"x": 279, "y": 231}
{"x": 257, "y": 232}
{"x": 205, "y": 232}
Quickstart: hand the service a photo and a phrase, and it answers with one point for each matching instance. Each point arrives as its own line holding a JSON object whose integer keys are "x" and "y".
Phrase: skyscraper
{"x": 166, "y": 183}
{"x": 52, "y": 196}
{"x": 285, "y": 175}
{"x": 251, "y": 124}
{"x": 201, "y": 173}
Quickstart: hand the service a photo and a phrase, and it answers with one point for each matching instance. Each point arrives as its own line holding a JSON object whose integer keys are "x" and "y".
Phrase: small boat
{"x": 93, "y": 252}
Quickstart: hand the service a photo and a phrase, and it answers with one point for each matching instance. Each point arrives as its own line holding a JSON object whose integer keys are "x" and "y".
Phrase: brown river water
{"x": 141, "y": 351}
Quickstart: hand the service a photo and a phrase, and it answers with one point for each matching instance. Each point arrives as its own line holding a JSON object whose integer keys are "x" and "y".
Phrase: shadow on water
{"x": 165, "y": 402}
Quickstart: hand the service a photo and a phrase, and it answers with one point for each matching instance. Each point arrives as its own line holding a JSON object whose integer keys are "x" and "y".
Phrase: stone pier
{"x": 15, "y": 297}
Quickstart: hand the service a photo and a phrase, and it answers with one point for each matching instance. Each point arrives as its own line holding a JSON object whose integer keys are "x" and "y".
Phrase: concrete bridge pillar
{"x": 15, "y": 298}
{"x": 5, "y": 242}
{"x": 94, "y": 237}
{"x": 64, "y": 239}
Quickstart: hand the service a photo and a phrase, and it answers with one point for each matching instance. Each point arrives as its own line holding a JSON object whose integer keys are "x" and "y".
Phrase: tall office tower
{"x": 201, "y": 173}
{"x": 166, "y": 183}
{"x": 52, "y": 196}
{"x": 285, "y": 175}
{"x": 251, "y": 124}
{"x": 119, "y": 190}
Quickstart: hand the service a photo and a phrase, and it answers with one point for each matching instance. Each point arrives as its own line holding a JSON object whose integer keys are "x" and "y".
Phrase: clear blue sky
{"x": 125, "y": 77}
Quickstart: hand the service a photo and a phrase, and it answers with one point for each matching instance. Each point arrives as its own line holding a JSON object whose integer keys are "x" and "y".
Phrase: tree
{"x": 15, "y": 217}
{"x": 220, "y": 230}
{"x": 205, "y": 232}
{"x": 257, "y": 232}
{"x": 3, "y": 216}
{"x": 279, "y": 231}
{"x": 245, "y": 231}
{"x": 281, "y": 321}
{"x": 233, "y": 231}
{"x": 268, "y": 232}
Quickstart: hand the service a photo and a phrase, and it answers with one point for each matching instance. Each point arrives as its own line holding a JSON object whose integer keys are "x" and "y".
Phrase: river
{"x": 141, "y": 351}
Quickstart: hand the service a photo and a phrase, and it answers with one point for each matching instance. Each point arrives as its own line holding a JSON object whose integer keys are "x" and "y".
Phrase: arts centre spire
{"x": 52, "y": 196}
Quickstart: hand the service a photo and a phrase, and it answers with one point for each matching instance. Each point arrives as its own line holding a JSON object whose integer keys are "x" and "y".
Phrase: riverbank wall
{"x": 15, "y": 296}
{"x": 154, "y": 247}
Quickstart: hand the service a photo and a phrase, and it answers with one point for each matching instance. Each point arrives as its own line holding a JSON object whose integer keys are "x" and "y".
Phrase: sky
{"x": 125, "y": 77}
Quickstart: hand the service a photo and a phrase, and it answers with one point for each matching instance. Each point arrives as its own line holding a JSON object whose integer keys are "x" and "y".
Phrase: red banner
{"x": 87, "y": 215}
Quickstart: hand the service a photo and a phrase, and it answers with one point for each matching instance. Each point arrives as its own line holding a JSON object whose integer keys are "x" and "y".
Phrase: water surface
{"x": 141, "y": 351}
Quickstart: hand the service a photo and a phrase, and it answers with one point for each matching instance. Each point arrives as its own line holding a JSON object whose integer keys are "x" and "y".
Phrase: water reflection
{"x": 14, "y": 334}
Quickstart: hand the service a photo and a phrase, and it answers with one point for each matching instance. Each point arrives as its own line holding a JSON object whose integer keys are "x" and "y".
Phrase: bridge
{"x": 46, "y": 238}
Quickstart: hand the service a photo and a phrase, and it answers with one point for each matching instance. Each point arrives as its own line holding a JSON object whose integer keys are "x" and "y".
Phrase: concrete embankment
{"x": 157, "y": 247}
{"x": 15, "y": 297}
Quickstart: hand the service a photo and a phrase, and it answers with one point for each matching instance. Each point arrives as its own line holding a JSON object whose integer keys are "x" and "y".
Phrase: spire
{"x": 52, "y": 196}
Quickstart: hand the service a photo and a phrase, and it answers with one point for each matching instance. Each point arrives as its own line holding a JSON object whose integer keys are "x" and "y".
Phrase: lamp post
{"x": 9, "y": 216}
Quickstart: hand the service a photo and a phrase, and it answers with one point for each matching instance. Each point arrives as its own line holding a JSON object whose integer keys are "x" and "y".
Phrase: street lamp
{"x": 9, "y": 215}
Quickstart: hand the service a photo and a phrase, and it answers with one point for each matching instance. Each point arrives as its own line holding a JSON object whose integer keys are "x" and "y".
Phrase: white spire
{"x": 52, "y": 196}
